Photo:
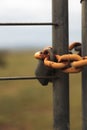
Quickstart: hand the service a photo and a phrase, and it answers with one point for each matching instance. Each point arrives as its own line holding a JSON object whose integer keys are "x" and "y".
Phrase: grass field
{"x": 26, "y": 105}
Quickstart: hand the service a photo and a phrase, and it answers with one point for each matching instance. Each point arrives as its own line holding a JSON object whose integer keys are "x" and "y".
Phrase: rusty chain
{"x": 68, "y": 63}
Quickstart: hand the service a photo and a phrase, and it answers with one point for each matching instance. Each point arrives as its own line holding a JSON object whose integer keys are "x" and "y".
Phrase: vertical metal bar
{"x": 61, "y": 85}
{"x": 84, "y": 73}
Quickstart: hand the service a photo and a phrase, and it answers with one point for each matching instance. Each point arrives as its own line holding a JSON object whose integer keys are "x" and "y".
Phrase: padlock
{"x": 44, "y": 71}
{"x": 78, "y": 49}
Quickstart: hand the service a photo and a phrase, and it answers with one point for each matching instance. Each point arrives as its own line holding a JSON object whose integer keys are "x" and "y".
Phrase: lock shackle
{"x": 45, "y": 53}
{"x": 49, "y": 54}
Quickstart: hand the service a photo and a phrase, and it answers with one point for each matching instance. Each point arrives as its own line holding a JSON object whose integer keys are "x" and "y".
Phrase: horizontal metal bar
{"x": 28, "y": 24}
{"x": 27, "y": 77}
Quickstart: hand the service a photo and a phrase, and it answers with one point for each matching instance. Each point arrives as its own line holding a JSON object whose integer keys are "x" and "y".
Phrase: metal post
{"x": 84, "y": 73}
{"x": 61, "y": 85}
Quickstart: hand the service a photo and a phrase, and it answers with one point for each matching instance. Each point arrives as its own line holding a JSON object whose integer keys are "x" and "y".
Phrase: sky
{"x": 34, "y": 11}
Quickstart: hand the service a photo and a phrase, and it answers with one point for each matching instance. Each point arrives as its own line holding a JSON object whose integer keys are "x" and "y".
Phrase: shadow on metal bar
{"x": 81, "y": 1}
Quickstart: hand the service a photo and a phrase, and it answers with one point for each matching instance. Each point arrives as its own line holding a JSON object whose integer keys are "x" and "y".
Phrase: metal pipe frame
{"x": 28, "y": 24}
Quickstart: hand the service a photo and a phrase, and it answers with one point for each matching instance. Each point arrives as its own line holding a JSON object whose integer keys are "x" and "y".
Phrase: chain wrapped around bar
{"x": 68, "y": 63}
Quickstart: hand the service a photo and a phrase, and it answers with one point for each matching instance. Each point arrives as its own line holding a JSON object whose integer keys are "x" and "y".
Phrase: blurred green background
{"x": 26, "y": 105}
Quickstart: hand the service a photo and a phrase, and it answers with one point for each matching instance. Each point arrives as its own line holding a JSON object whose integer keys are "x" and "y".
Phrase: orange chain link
{"x": 68, "y": 63}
